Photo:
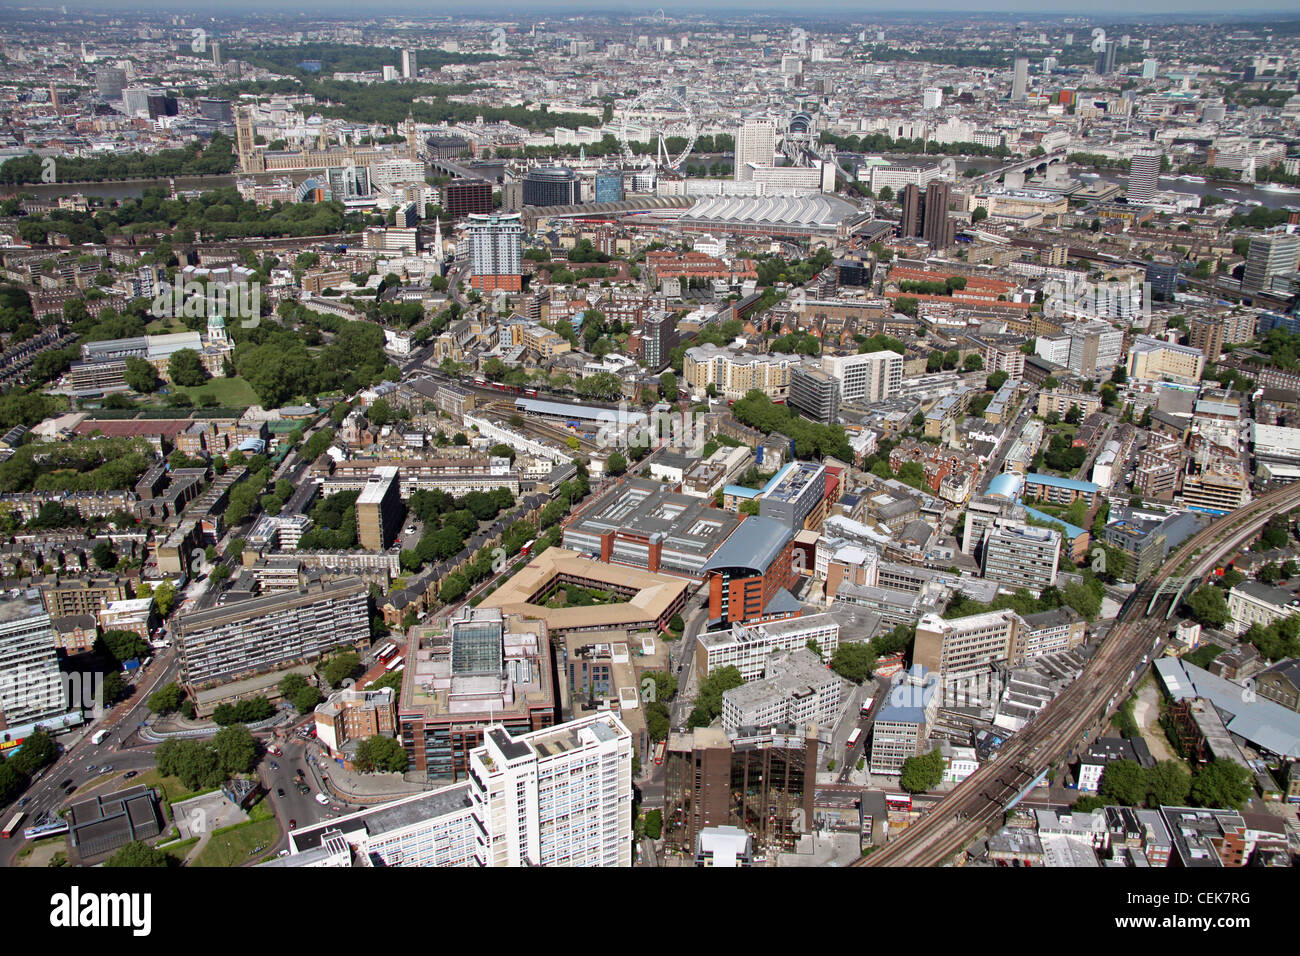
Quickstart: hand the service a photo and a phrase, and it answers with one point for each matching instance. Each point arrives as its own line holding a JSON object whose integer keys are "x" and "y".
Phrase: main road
{"x": 1082, "y": 709}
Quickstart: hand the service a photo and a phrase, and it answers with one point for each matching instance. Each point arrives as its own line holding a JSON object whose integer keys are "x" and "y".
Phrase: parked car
{"x": 69, "y": 791}
{"x": 279, "y": 791}
{"x": 293, "y": 824}
{"x": 129, "y": 774}
{"x": 274, "y": 765}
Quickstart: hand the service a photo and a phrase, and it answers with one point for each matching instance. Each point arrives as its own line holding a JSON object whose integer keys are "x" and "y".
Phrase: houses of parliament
{"x": 324, "y": 156}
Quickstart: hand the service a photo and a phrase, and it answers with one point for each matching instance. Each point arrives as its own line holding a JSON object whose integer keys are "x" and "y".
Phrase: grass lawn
{"x": 234, "y": 845}
{"x": 229, "y": 392}
{"x": 166, "y": 326}
{"x": 172, "y": 790}
{"x": 261, "y": 810}
{"x": 180, "y": 850}
{"x": 42, "y": 852}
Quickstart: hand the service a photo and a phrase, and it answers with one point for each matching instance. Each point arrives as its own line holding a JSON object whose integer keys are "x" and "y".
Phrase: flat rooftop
{"x": 646, "y": 508}
{"x": 654, "y": 593}
{"x": 388, "y": 817}
{"x": 377, "y": 486}
{"x": 794, "y": 481}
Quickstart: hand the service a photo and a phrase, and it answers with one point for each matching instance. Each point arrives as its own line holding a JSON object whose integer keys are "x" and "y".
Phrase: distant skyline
{"x": 848, "y": 9}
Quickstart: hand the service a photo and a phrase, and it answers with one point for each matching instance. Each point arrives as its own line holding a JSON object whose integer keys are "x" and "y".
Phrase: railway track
{"x": 1083, "y": 707}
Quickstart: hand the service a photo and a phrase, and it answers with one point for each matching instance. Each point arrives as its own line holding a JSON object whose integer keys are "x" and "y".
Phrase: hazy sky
{"x": 855, "y": 9}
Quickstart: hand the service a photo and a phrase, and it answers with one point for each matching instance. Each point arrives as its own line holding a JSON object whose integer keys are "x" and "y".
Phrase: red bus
{"x": 661, "y": 748}
{"x": 854, "y": 738}
{"x": 898, "y": 801}
{"x": 12, "y": 827}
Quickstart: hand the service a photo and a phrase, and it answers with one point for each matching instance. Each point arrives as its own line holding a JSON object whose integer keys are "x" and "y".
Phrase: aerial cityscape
{"x": 666, "y": 437}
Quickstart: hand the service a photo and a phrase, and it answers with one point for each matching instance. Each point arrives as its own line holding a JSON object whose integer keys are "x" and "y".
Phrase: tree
{"x": 166, "y": 699}
{"x": 853, "y": 661}
{"x": 236, "y": 749}
{"x": 1221, "y": 784}
{"x": 676, "y": 624}
{"x": 654, "y": 824}
{"x": 122, "y": 646}
{"x": 185, "y": 368}
{"x": 1124, "y": 782}
{"x": 383, "y": 754}
{"x": 290, "y": 684}
{"x": 140, "y": 375}
{"x": 380, "y": 413}
{"x": 616, "y": 463}
{"x": 922, "y": 773}
{"x": 164, "y": 598}
{"x": 38, "y": 751}
{"x": 1083, "y": 599}
{"x": 973, "y": 363}
{"x": 1209, "y": 606}
{"x": 708, "y": 704}
{"x": 104, "y": 555}
{"x": 306, "y": 699}
{"x": 657, "y": 718}
{"x": 668, "y": 386}
{"x": 996, "y": 381}
{"x": 247, "y": 711}
{"x": 193, "y": 762}
{"x": 665, "y": 685}
{"x": 138, "y": 854}
{"x": 115, "y": 687}
{"x": 1274, "y": 534}
{"x": 1168, "y": 784}
{"x": 340, "y": 667}
{"x": 979, "y": 214}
